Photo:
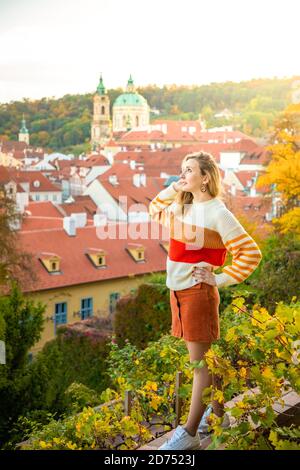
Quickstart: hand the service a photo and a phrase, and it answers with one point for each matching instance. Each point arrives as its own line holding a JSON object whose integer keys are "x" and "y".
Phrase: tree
{"x": 23, "y": 324}
{"x": 277, "y": 277}
{"x": 14, "y": 263}
{"x": 283, "y": 170}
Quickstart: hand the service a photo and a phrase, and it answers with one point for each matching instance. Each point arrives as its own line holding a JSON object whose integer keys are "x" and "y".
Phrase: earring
{"x": 203, "y": 188}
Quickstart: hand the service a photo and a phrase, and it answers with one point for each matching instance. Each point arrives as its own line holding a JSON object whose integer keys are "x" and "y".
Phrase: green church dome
{"x": 130, "y": 99}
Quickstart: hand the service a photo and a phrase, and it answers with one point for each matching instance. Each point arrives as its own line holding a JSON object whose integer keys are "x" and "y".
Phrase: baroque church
{"x": 129, "y": 111}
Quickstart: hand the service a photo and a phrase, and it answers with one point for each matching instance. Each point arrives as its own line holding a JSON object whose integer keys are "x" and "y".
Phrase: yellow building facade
{"x": 71, "y": 304}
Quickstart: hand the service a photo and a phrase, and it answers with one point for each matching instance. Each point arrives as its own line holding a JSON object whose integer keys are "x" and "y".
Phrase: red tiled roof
{"x": 10, "y": 145}
{"x": 222, "y": 136}
{"x": 75, "y": 266}
{"x": 44, "y": 209}
{"x": 254, "y": 208}
{"x": 38, "y": 224}
{"x": 120, "y": 169}
{"x": 96, "y": 160}
{"x": 81, "y": 204}
{"x": 135, "y": 195}
{"x": 169, "y": 161}
{"x": 30, "y": 177}
{"x": 5, "y": 176}
{"x": 245, "y": 176}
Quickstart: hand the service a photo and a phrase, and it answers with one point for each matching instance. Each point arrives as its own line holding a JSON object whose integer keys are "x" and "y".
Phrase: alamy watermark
{"x": 160, "y": 227}
{"x": 2, "y": 353}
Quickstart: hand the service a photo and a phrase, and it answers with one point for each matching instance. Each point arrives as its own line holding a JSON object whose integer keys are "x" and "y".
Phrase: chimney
{"x": 136, "y": 180}
{"x": 70, "y": 226}
{"x": 113, "y": 179}
{"x": 132, "y": 164}
{"x": 233, "y": 189}
{"x": 143, "y": 179}
{"x": 253, "y": 191}
{"x": 80, "y": 219}
{"x": 164, "y": 128}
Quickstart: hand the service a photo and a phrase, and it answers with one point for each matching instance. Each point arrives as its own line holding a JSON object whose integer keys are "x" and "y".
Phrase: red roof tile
{"x": 31, "y": 176}
{"x": 75, "y": 266}
{"x": 80, "y": 204}
{"x": 44, "y": 209}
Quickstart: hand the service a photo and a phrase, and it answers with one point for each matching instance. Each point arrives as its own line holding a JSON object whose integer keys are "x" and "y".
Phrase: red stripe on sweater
{"x": 182, "y": 252}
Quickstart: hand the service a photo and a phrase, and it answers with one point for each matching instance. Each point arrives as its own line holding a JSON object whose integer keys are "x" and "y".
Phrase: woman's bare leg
{"x": 218, "y": 408}
{"x": 202, "y": 379}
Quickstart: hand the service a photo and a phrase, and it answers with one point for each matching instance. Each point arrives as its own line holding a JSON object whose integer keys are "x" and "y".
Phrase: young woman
{"x": 201, "y": 230}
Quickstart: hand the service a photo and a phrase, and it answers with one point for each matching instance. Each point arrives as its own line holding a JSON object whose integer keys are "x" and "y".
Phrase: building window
{"x": 53, "y": 266}
{"x": 54, "y": 197}
{"x": 102, "y": 109}
{"x": 137, "y": 121}
{"x": 60, "y": 314}
{"x": 37, "y": 197}
{"x": 86, "y": 309}
{"x": 46, "y": 197}
{"x": 113, "y": 299}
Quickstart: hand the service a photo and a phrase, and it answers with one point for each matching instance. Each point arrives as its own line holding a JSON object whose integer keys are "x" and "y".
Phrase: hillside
{"x": 64, "y": 124}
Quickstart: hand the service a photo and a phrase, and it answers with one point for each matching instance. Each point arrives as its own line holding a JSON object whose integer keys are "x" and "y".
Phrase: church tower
{"x": 23, "y": 133}
{"x": 101, "y": 128}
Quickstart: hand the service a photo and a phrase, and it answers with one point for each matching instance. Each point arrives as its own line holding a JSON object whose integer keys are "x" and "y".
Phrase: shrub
{"x": 143, "y": 317}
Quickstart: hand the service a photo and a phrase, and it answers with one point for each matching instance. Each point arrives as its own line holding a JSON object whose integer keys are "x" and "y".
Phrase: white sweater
{"x": 202, "y": 237}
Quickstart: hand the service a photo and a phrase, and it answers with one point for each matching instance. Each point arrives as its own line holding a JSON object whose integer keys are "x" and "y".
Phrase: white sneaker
{"x": 181, "y": 440}
{"x": 203, "y": 425}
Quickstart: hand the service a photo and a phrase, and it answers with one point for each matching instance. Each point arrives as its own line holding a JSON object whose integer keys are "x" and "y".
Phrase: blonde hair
{"x": 208, "y": 166}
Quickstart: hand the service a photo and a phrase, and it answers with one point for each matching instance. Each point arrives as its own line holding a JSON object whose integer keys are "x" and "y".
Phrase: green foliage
{"x": 70, "y": 357}
{"x": 41, "y": 385}
{"x": 98, "y": 430}
{"x": 63, "y": 124}
{"x": 257, "y": 349}
{"x": 79, "y": 396}
{"x": 22, "y": 323}
{"x": 277, "y": 277}
{"x": 144, "y": 316}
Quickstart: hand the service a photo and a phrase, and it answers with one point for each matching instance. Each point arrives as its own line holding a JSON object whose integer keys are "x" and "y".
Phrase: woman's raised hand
{"x": 179, "y": 185}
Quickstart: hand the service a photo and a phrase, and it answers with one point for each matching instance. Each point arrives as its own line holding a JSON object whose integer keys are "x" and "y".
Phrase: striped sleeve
{"x": 246, "y": 254}
{"x": 159, "y": 207}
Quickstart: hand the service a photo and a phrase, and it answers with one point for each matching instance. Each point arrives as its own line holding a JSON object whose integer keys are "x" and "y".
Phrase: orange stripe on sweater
{"x": 236, "y": 239}
{"x": 241, "y": 269}
{"x": 237, "y": 278}
{"x": 164, "y": 203}
{"x": 251, "y": 256}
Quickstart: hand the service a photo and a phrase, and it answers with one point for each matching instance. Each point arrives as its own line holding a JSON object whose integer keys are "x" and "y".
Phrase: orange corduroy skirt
{"x": 195, "y": 313}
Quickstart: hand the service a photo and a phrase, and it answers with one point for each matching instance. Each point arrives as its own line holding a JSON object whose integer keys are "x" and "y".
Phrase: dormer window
{"x": 97, "y": 256}
{"x": 137, "y": 252}
{"x": 51, "y": 262}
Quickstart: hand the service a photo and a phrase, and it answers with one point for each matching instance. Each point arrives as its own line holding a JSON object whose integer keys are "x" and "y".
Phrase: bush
{"x": 277, "y": 277}
{"x": 143, "y": 317}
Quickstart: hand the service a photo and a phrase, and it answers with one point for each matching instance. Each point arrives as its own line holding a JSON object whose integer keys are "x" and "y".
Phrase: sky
{"x": 49, "y": 48}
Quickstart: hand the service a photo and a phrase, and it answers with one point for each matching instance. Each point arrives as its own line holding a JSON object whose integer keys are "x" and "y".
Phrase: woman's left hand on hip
{"x": 203, "y": 274}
